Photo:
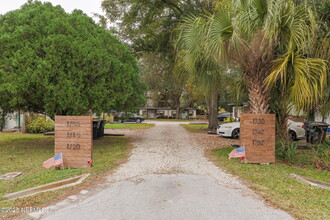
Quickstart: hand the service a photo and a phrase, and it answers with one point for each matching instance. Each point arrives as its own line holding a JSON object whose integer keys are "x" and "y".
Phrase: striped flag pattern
{"x": 237, "y": 153}
{"x": 54, "y": 161}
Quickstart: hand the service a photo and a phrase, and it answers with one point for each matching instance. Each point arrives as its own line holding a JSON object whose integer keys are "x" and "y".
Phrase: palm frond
{"x": 304, "y": 78}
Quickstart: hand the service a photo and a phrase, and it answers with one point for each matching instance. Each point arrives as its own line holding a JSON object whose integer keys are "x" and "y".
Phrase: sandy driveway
{"x": 168, "y": 177}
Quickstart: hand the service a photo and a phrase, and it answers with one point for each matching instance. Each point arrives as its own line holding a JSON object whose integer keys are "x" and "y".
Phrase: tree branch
{"x": 171, "y": 4}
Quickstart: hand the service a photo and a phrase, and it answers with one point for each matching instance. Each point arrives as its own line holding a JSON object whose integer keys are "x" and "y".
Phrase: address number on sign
{"x": 73, "y": 135}
{"x": 73, "y": 146}
{"x": 72, "y": 124}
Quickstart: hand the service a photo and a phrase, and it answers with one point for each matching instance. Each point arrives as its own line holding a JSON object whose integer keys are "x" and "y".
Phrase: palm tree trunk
{"x": 213, "y": 110}
{"x": 282, "y": 124}
{"x": 258, "y": 96}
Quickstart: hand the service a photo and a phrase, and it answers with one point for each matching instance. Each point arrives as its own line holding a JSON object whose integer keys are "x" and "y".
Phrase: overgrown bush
{"x": 39, "y": 124}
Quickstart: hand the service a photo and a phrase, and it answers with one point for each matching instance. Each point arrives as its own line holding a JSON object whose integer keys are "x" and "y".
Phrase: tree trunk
{"x": 178, "y": 113}
{"x": 258, "y": 96}
{"x": 2, "y": 120}
{"x": 177, "y": 107}
{"x": 282, "y": 124}
{"x": 213, "y": 110}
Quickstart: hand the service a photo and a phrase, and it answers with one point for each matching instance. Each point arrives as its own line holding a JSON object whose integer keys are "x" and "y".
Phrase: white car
{"x": 296, "y": 130}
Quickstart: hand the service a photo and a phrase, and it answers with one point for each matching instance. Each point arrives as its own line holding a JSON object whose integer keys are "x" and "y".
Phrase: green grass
{"x": 273, "y": 183}
{"x": 311, "y": 158}
{"x": 26, "y": 152}
{"x": 196, "y": 128}
{"x": 128, "y": 126}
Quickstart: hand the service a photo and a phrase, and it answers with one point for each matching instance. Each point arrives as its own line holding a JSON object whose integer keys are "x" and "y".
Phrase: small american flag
{"x": 54, "y": 161}
{"x": 237, "y": 153}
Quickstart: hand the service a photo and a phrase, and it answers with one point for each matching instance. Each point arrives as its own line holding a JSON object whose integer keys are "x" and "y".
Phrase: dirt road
{"x": 168, "y": 177}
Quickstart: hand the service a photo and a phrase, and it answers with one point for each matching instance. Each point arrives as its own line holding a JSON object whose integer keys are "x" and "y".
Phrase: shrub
{"x": 321, "y": 150}
{"x": 286, "y": 152}
{"x": 39, "y": 124}
{"x": 162, "y": 117}
{"x": 322, "y": 156}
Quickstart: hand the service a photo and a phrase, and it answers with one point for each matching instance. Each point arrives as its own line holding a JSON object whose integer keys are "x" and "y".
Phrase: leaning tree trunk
{"x": 213, "y": 110}
{"x": 258, "y": 96}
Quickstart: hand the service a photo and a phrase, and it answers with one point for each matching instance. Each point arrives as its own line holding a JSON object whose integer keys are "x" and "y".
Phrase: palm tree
{"x": 269, "y": 40}
{"x": 193, "y": 63}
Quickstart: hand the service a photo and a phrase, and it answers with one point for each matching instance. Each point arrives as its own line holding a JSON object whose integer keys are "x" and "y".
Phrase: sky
{"x": 87, "y": 6}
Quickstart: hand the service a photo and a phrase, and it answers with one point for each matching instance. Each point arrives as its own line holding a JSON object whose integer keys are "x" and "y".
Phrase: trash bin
{"x": 315, "y": 131}
{"x": 96, "y": 126}
{"x": 100, "y": 132}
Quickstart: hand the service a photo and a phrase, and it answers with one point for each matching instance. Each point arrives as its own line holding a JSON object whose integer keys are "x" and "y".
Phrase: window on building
{"x": 160, "y": 113}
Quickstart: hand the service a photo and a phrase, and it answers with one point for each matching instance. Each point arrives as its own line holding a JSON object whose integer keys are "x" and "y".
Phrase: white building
{"x": 14, "y": 121}
{"x": 163, "y": 112}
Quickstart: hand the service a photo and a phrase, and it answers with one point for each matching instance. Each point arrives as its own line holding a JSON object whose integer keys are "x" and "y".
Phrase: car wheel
{"x": 138, "y": 121}
{"x": 235, "y": 133}
{"x": 292, "y": 135}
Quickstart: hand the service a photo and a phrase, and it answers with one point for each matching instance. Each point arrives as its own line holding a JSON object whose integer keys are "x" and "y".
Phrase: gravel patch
{"x": 168, "y": 149}
{"x": 214, "y": 141}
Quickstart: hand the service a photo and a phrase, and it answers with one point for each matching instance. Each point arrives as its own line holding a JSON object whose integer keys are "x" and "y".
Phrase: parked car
{"x": 224, "y": 115}
{"x": 296, "y": 130}
{"x": 129, "y": 118}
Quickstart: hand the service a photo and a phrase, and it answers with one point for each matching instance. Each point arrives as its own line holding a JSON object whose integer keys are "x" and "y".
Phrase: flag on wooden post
{"x": 54, "y": 161}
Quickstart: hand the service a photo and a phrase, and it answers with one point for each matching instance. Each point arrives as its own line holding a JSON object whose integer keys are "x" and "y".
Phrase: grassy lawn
{"x": 26, "y": 152}
{"x": 273, "y": 183}
{"x": 128, "y": 126}
{"x": 196, "y": 128}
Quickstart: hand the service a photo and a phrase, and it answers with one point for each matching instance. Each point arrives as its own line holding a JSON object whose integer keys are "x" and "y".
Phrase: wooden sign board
{"x": 74, "y": 138}
{"x": 257, "y": 134}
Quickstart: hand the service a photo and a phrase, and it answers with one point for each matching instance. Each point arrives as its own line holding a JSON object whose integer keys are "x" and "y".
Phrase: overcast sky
{"x": 88, "y": 6}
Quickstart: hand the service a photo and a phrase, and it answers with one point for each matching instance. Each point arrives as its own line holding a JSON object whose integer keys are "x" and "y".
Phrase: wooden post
{"x": 74, "y": 138}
